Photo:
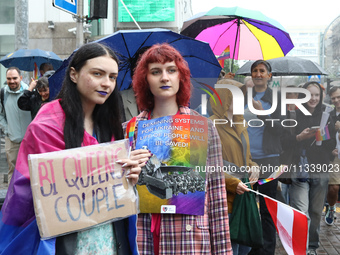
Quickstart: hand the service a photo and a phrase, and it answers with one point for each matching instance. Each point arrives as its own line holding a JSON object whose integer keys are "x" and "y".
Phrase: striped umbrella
{"x": 245, "y": 34}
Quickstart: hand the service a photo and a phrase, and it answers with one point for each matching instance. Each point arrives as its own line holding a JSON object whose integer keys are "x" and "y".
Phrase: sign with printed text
{"x": 170, "y": 183}
{"x": 69, "y": 6}
{"x": 79, "y": 188}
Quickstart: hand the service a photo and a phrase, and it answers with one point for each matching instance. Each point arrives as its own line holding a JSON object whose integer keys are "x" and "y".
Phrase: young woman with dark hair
{"x": 105, "y": 114}
{"x": 162, "y": 86}
{"x": 307, "y": 192}
{"x": 85, "y": 113}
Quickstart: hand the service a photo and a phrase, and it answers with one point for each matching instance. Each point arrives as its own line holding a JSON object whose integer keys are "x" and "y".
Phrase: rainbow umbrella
{"x": 247, "y": 34}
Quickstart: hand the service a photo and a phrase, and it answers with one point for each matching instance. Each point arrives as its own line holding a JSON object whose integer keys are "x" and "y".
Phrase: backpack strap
{"x": 2, "y": 95}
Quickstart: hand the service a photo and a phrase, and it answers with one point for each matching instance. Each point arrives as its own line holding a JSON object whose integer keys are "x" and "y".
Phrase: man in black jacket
{"x": 264, "y": 135}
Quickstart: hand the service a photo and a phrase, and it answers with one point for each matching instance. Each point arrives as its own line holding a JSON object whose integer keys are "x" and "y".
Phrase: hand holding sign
{"x": 140, "y": 155}
{"x": 131, "y": 168}
{"x": 80, "y": 188}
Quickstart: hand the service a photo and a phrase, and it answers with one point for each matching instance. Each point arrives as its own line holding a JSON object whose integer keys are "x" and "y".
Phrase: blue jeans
{"x": 309, "y": 197}
{"x": 285, "y": 192}
{"x": 239, "y": 249}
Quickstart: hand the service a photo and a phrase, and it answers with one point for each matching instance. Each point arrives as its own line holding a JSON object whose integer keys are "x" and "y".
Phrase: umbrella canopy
{"x": 287, "y": 66}
{"x": 128, "y": 43}
{"x": 24, "y": 59}
{"x": 241, "y": 33}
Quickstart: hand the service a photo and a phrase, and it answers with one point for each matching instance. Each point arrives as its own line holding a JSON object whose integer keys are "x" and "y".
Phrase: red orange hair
{"x": 160, "y": 53}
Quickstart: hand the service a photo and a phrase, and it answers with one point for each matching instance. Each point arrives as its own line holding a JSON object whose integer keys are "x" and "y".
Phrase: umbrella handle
{"x": 237, "y": 32}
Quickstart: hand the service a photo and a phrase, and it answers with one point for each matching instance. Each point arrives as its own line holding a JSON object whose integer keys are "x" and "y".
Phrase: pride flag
{"x": 19, "y": 232}
{"x": 225, "y": 55}
{"x": 35, "y": 72}
{"x": 322, "y": 134}
{"x": 221, "y": 63}
{"x": 130, "y": 130}
{"x": 274, "y": 175}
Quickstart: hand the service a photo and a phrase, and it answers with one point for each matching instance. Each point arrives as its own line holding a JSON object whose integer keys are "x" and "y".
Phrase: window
{"x": 7, "y": 12}
{"x": 147, "y": 11}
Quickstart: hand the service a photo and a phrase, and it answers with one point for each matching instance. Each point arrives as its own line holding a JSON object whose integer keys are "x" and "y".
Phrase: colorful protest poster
{"x": 170, "y": 183}
{"x": 79, "y": 188}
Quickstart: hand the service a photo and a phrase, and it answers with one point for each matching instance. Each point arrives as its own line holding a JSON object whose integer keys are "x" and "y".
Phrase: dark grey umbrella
{"x": 288, "y": 66}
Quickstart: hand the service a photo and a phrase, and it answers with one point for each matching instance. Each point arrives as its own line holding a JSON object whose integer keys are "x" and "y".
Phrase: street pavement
{"x": 329, "y": 235}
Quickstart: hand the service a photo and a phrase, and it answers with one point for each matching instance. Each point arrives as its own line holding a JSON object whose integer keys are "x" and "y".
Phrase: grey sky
{"x": 288, "y": 12}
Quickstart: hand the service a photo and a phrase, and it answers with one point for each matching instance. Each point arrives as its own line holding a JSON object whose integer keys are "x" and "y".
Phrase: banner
{"x": 169, "y": 183}
{"x": 78, "y": 188}
{"x": 291, "y": 225}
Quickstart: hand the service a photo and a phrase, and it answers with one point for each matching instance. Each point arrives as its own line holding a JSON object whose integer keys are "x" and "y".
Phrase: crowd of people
{"x": 308, "y": 189}
{"x": 88, "y": 111}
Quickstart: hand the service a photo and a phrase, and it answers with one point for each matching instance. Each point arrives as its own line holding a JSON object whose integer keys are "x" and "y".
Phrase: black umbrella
{"x": 288, "y": 66}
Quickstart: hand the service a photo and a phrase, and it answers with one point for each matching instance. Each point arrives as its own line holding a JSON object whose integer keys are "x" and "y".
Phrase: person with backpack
{"x": 13, "y": 121}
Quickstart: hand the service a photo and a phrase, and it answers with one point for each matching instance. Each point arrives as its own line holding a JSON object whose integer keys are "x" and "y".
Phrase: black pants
{"x": 268, "y": 226}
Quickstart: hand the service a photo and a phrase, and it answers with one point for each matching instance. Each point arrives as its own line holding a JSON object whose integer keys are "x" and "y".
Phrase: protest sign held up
{"x": 170, "y": 182}
{"x": 79, "y": 188}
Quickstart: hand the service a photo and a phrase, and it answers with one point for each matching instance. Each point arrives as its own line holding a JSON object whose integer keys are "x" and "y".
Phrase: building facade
{"x": 306, "y": 42}
{"x": 54, "y": 30}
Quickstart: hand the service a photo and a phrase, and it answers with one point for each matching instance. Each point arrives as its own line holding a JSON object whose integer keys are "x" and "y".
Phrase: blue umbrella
{"x": 128, "y": 43}
{"x": 24, "y": 59}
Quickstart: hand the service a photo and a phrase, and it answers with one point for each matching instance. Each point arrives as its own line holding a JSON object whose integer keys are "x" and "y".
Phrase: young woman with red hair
{"x": 162, "y": 86}
{"x": 164, "y": 54}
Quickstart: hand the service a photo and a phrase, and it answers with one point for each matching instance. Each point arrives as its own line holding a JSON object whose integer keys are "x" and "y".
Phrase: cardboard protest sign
{"x": 79, "y": 188}
{"x": 169, "y": 183}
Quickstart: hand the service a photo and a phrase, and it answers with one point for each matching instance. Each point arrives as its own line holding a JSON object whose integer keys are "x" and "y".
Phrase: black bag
{"x": 2, "y": 98}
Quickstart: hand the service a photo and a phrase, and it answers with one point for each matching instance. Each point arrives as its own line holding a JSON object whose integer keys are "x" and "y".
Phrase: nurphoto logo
{"x": 238, "y": 105}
